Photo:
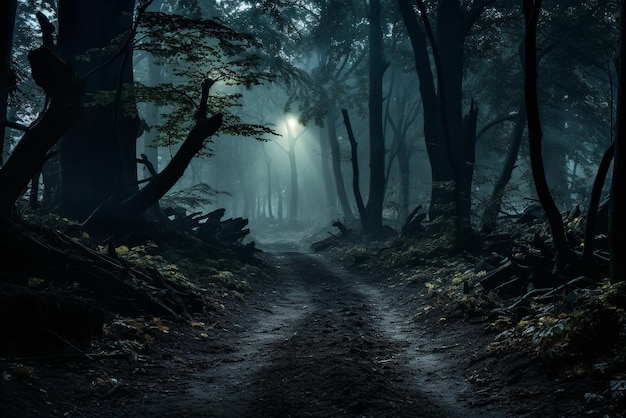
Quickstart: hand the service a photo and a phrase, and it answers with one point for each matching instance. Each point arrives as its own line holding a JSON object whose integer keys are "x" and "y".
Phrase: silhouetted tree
{"x": 450, "y": 135}
{"x": 617, "y": 218}
{"x": 7, "y": 22}
{"x": 372, "y": 221}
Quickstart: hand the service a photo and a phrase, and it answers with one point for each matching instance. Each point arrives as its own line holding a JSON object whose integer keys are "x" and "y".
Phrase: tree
{"x": 7, "y": 13}
{"x": 290, "y": 152}
{"x": 401, "y": 111}
{"x": 97, "y": 155}
{"x": 112, "y": 103}
{"x": 617, "y": 221}
{"x": 450, "y": 135}
{"x": 373, "y": 215}
{"x": 532, "y": 9}
{"x": 574, "y": 104}
{"x": 64, "y": 91}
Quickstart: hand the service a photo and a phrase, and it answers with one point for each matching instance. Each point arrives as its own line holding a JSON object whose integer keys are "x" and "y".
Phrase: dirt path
{"x": 327, "y": 343}
{"x": 315, "y": 340}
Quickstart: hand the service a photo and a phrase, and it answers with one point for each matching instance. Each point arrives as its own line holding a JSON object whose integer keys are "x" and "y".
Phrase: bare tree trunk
{"x": 404, "y": 186}
{"x": 114, "y": 214}
{"x": 150, "y": 141}
{"x": 63, "y": 109}
{"x": 331, "y": 121}
{"x": 97, "y": 155}
{"x": 372, "y": 222}
{"x": 279, "y": 213}
{"x": 565, "y": 256}
{"x": 594, "y": 201}
{"x": 293, "y": 194}
{"x": 268, "y": 167}
{"x": 7, "y": 13}
{"x": 329, "y": 186}
{"x": 617, "y": 209}
{"x": 492, "y": 211}
{"x": 356, "y": 188}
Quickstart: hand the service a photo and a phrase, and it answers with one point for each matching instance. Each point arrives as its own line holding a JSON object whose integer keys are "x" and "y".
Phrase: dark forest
{"x": 285, "y": 208}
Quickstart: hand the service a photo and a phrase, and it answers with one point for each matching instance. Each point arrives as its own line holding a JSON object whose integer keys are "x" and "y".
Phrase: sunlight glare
{"x": 292, "y": 122}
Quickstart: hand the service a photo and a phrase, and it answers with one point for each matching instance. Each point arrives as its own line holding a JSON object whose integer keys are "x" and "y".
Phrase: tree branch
{"x": 472, "y": 16}
{"x": 355, "y": 164}
{"x": 63, "y": 109}
{"x": 493, "y": 123}
{"x": 138, "y": 203}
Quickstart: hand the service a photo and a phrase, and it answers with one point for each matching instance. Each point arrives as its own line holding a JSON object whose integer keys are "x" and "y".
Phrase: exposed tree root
{"x": 48, "y": 280}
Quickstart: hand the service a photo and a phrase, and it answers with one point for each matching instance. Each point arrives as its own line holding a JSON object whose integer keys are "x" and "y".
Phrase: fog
{"x": 283, "y": 158}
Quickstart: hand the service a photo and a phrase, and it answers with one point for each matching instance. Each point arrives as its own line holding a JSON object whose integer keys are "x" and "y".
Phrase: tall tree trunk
{"x": 399, "y": 119}
{"x": 492, "y": 211}
{"x": 7, "y": 23}
{"x": 450, "y": 136}
{"x": 279, "y": 204}
{"x": 459, "y": 132}
{"x": 329, "y": 187}
{"x": 119, "y": 214}
{"x": 97, "y": 155}
{"x": 565, "y": 255}
{"x": 354, "y": 157}
{"x": 331, "y": 123}
{"x": 594, "y": 201}
{"x": 268, "y": 168}
{"x": 293, "y": 194}
{"x": 372, "y": 223}
{"x": 617, "y": 210}
{"x": 150, "y": 136}
{"x": 7, "y": 138}
{"x": 63, "y": 109}
{"x": 245, "y": 191}
{"x": 433, "y": 133}
{"x": 404, "y": 185}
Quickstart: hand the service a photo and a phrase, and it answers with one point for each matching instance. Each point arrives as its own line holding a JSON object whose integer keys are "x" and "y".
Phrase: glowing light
{"x": 292, "y": 122}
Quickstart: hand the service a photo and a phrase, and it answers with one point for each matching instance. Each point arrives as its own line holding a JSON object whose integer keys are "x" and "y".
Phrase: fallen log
{"x": 413, "y": 225}
{"x": 333, "y": 240}
{"x": 498, "y": 276}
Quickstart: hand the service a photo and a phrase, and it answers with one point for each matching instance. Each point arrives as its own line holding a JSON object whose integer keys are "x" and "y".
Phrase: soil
{"x": 315, "y": 339}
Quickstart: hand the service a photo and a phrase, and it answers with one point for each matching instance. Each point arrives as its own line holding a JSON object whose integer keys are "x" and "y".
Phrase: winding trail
{"x": 324, "y": 342}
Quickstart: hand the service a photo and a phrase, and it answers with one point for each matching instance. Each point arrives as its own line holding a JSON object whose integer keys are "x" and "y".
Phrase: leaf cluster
{"x": 191, "y": 198}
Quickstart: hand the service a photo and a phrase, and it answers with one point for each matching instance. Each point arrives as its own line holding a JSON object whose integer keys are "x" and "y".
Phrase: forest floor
{"x": 316, "y": 338}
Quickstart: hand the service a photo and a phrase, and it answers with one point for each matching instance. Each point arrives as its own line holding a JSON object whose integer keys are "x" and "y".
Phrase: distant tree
{"x": 401, "y": 113}
{"x": 333, "y": 48}
{"x": 290, "y": 151}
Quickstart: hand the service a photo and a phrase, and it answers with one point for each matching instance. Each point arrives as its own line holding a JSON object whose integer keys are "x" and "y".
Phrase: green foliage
{"x": 198, "y": 49}
{"x": 593, "y": 326}
{"x": 337, "y": 33}
{"x": 191, "y": 50}
{"x": 191, "y": 198}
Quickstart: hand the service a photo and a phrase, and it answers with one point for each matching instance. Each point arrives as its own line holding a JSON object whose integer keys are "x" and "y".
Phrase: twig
{"x": 69, "y": 344}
